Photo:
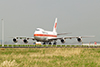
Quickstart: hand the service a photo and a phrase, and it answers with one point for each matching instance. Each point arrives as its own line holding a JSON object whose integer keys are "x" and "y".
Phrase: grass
{"x": 49, "y": 57}
{"x": 90, "y": 46}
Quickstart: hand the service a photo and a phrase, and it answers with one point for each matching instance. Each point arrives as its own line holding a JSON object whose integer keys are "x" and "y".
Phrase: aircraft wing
{"x": 23, "y": 37}
{"x": 63, "y": 33}
{"x": 69, "y": 37}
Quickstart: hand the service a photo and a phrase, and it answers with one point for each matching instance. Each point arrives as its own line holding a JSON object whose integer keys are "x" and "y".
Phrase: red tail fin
{"x": 55, "y": 25}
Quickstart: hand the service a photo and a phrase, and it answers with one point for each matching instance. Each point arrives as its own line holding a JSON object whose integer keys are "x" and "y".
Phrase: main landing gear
{"x": 54, "y": 43}
{"x": 50, "y": 43}
{"x": 44, "y": 43}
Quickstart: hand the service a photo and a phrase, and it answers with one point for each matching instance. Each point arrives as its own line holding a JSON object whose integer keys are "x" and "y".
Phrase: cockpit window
{"x": 37, "y": 30}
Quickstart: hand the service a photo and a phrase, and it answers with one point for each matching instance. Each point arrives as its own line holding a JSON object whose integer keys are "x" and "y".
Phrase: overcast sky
{"x": 22, "y": 17}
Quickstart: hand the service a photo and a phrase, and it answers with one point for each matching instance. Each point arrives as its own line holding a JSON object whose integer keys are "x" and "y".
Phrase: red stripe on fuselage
{"x": 46, "y": 35}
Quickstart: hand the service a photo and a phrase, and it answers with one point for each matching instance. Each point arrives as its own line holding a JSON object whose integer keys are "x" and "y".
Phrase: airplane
{"x": 41, "y": 35}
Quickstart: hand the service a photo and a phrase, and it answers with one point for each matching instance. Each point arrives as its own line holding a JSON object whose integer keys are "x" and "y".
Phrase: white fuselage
{"x": 43, "y": 36}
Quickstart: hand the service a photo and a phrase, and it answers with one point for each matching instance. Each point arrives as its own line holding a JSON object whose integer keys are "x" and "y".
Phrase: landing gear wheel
{"x": 50, "y": 43}
{"x": 54, "y": 43}
{"x": 43, "y": 43}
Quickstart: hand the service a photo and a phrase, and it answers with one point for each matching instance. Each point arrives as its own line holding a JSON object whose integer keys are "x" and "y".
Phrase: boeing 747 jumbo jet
{"x": 47, "y": 37}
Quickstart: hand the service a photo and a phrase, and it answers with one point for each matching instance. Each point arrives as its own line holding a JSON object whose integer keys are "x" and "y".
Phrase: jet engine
{"x": 79, "y": 39}
{"x": 25, "y": 41}
{"x": 62, "y": 40}
{"x": 15, "y": 40}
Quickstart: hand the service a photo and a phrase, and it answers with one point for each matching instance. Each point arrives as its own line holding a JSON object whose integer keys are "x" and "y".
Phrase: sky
{"x": 22, "y": 17}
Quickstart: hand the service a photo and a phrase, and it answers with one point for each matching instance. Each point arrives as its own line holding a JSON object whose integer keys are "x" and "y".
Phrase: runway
{"x": 51, "y": 46}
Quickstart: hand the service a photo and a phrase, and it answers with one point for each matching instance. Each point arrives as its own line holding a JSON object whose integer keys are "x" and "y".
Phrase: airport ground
{"x": 52, "y": 46}
{"x": 49, "y": 57}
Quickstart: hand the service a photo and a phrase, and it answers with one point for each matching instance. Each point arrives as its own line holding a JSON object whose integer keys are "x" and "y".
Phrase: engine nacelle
{"x": 62, "y": 40}
{"x": 15, "y": 40}
{"x": 25, "y": 41}
{"x": 79, "y": 39}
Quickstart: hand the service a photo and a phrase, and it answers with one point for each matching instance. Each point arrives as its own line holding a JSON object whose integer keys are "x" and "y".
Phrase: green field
{"x": 49, "y": 57}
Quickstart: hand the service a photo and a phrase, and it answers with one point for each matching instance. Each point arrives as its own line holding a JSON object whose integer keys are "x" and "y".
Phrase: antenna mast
{"x": 2, "y": 32}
